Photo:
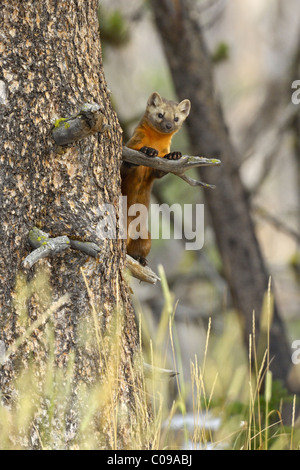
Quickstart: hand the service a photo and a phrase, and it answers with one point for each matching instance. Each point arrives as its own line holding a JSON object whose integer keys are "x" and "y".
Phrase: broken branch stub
{"x": 88, "y": 121}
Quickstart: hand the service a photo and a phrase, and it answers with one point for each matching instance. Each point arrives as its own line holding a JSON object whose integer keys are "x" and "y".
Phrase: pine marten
{"x": 152, "y": 136}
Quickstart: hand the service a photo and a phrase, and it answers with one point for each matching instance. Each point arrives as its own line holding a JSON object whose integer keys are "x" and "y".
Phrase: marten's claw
{"x": 149, "y": 151}
{"x": 141, "y": 260}
{"x": 173, "y": 156}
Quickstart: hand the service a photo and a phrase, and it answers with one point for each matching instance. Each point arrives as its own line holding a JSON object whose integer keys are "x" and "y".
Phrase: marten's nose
{"x": 169, "y": 125}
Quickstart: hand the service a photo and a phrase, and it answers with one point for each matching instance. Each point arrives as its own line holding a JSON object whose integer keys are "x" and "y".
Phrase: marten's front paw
{"x": 149, "y": 151}
{"x": 141, "y": 260}
{"x": 173, "y": 155}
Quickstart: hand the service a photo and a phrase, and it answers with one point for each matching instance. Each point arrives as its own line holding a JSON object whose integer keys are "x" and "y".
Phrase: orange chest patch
{"x": 150, "y": 138}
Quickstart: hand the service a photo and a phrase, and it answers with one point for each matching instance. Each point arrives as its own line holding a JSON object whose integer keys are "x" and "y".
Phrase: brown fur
{"x": 162, "y": 119}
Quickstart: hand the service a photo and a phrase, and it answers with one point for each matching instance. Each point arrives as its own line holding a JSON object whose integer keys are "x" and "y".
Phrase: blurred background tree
{"x": 245, "y": 58}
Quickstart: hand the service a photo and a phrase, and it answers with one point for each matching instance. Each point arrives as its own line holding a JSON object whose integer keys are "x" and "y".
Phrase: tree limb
{"x": 45, "y": 246}
{"x": 177, "y": 167}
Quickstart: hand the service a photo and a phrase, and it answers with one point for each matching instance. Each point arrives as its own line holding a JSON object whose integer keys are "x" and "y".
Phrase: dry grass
{"x": 227, "y": 385}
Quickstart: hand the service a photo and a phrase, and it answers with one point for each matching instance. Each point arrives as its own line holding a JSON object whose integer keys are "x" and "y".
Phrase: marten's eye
{"x": 160, "y": 115}
{"x": 176, "y": 119}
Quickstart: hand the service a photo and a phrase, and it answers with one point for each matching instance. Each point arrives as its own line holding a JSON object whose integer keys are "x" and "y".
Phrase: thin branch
{"x": 278, "y": 224}
{"x": 267, "y": 146}
{"x": 274, "y": 136}
{"x": 177, "y": 167}
{"x": 219, "y": 7}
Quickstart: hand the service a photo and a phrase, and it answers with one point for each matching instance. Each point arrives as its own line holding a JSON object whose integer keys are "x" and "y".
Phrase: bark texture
{"x": 189, "y": 61}
{"x": 50, "y": 64}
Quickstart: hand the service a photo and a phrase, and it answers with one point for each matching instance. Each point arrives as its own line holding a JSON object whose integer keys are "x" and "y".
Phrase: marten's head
{"x": 166, "y": 116}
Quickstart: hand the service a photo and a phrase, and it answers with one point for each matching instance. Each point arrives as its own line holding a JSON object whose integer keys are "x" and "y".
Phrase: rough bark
{"x": 191, "y": 69}
{"x": 50, "y": 64}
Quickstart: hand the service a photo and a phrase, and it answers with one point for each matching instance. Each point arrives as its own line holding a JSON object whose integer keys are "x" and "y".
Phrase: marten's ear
{"x": 184, "y": 107}
{"x": 154, "y": 99}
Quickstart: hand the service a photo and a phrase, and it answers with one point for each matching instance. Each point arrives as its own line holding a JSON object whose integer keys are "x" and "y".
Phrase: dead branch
{"x": 267, "y": 146}
{"x": 88, "y": 121}
{"x": 52, "y": 247}
{"x": 278, "y": 224}
{"x": 46, "y": 246}
{"x": 177, "y": 167}
{"x": 143, "y": 273}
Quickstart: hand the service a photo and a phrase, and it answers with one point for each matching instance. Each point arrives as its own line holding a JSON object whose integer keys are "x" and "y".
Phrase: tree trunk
{"x": 191, "y": 69}
{"x": 50, "y": 64}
